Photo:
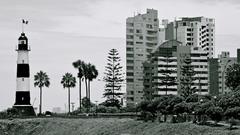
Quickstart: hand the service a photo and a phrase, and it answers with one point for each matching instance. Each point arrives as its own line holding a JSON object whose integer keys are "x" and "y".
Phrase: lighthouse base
{"x": 25, "y": 110}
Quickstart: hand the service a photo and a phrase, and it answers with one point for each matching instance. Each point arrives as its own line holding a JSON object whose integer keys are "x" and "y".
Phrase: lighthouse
{"x": 22, "y": 99}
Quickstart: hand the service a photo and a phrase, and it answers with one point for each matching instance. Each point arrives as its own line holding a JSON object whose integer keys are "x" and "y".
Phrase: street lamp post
{"x": 223, "y": 72}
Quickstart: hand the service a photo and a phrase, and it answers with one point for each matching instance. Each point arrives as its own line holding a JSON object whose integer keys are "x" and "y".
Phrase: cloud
{"x": 218, "y": 1}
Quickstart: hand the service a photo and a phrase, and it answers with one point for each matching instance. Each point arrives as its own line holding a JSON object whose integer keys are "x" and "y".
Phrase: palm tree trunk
{"x": 89, "y": 90}
{"x": 68, "y": 100}
{"x": 86, "y": 87}
{"x": 80, "y": 96}
{"x": 40, "y": 106}
{"x": 86, "y": 91}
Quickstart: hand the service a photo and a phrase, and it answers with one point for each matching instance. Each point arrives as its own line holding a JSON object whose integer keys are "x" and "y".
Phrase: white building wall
{"x": 142, "y": 36}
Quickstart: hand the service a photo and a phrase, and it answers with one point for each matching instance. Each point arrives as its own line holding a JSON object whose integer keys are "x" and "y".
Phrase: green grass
{"x": 105, "y": 126}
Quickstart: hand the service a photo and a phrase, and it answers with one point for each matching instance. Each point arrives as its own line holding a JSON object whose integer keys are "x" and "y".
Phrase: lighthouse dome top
{"x": 23, "y": 43}
{"x": 22, "y": 37}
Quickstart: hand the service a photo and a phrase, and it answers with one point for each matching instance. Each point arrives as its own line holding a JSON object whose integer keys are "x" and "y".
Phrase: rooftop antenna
{"x": 24, "y": 22}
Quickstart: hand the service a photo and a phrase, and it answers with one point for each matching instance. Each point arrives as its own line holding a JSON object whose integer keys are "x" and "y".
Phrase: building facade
{"x": 163, "y": 70}
{"x": 141, "y": 38}
{"x": 224, "y": 61}
{"x": 217, "y": 71}
{"x": 193, "y": 31}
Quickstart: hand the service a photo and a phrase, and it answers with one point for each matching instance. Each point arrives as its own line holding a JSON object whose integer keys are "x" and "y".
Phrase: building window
{"x": 138, "y": 31}
{"x": 130, "y": 61}
{"x": 129, "y": 80}
{"x": 130, "y": 24}
{"x": 130, "y": 67}
{"x": 129, "y": 55}
{"x": 149, "y": 26}
{"x": 139, "y": 42}
{"x": 130, "y": 30}
{"x": 129, "y": 49}
{"x": 129, "y": 37}
{"x": 131, "y": 92}
{"x": 130, "y": 74}
{"x": 129, "y": 43}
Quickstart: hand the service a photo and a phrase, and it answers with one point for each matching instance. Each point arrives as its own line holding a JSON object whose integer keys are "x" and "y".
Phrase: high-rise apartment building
{"x": 141, "y": 38}
{"x": 192, "y": 31}
{"x": 217, "y": 71}
{"x": 166, "y": 63}
{"x": 225, "y": 61}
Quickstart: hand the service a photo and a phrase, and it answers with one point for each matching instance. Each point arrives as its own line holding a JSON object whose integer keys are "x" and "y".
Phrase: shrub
{"x": 104, "y": 109}
{"x": 215, "y": 113}
{"x": 3, "y": 115}
{"x": 13, "y": 112}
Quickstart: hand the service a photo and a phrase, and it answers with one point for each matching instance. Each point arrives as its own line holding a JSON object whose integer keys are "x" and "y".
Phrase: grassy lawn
{"x": 105, "y": 126}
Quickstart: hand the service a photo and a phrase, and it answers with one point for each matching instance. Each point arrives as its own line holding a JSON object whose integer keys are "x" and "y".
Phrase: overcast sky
{"x": 62, "y": 31}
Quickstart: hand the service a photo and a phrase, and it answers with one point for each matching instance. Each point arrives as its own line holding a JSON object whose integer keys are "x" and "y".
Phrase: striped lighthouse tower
{"x": 22, "y": 100}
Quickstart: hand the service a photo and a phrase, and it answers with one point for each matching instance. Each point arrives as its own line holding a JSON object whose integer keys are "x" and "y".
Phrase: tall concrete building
{"x": 225, "y": 61}
{"x": 170, "y": 56}
{"x": 192, "y": 31}
{"x": 141, "y": 38}
{"x": 217, "y": 71}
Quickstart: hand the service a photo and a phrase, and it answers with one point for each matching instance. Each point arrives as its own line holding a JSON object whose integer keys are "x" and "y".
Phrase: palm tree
{"x": 85, "y": 74}
{"x": 68, "y": 81}
{"x": 41, "y": 79}
{"x": 79, "y": 65}
{"x": 90, "y": 73}
{"x": 93, "y": 73}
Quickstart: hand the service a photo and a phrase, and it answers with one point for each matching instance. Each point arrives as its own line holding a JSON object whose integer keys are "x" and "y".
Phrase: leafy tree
{"x": 181, "y": 108}
{"x": 79, "y": 66}
{"x": 113, "y": 78}
{"x": 41, "y": 80}
{"x": 187, "y": 78}
{"x": 167, "y": 103}
{"x": 229, "y": 100}
{"x": 231, "y": 114}
{"x": 68, "y": 81}
{"x": 215, "y": 113}
{"x": 192, "y": 98}
{"x": 233, "y": 77}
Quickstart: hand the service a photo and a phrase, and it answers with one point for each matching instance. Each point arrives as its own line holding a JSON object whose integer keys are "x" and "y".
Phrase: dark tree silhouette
{"x": 167, "y": 79}
{"x": 187, "y": 78}
{"x": 79, "y": 66}
{"x": 90, "y": 73}
{"x": 41, "y": 80}
{"x": 113, "y": 78}
{"x": 68, "y": 81}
